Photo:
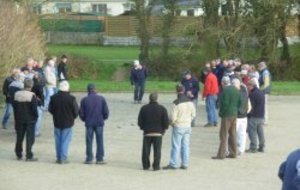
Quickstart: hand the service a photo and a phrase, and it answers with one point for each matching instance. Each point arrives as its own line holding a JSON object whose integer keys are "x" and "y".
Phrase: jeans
{"x": 256, "y": 128}
{"x": 62, "y": 141}
{"x": 89, "y": 135}
{"x": 7, "y": 113}
{"x": 211, "y": 103}
{"x": 22, "y": 129}
{"x": 50, "y": 91}
{"x": 39, "y": 121}
{"x": 139, "y": 88}
{"x": 147, "y": 142}
{"x": 195, "y": 102}
{"x": 241, "y": 137}
{"x": 180, "y": 145}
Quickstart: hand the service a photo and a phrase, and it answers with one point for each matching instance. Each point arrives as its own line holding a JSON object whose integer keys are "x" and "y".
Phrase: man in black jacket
{"x": 62, "y": 69}
{"x": 153, "y": 120}
{"x": 25, "y": 111}
{"x": 64, "y": 109}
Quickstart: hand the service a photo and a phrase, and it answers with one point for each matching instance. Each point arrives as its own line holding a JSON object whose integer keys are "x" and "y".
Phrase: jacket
{"x": 62, "y": 71}
{"x": 64, "y": 109}
{"x": 5, "y": 86}
{"x": 265, "y": 81}
{"x": 38, "y": 90}
{"x": 289, "y": 172}
{"x": 153, "y": 118}
{"x": 93, "y": 110}
{"x": 50, "y": 76}
{"x": 182, "y": 112}
{"x": 211, "y": 86}
{"x": 138, "y": 75}
{"x": 243, "y": 109}
{"x": 14, "y": 87}
{"x": 257, "y": 99}
{"x": 230, "y": 101}
{"x": 25, "y": 107}
{"x": 191, "y": 85}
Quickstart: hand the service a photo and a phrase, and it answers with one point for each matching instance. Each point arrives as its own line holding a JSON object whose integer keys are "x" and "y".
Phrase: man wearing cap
{"x": 62, "y": 69}
{"x": 138, "y": 78}
{"x": 26, "y": 114}
{"x": 153, "y": 120}
{"x": 210, "y": 94}
{"x": 191, "y": 87}
{"x": 64, "y": 109}
{"x": 230, "y": 101}
{"x": 181, "y": 116}
{"x": 256, "y": 118}
{"x": 94, "y": 111}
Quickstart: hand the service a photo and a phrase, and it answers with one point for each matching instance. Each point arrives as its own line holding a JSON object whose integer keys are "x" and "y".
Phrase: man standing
{"x": 256, "y": 118}
{"x": 94, "y": 111}
{"x": 289, "y": 172}
{"x": 25, "y": 111}
{"x": 62, "y": 69}
{"x": 181, "y": 116}
{"x": 241, "y": 122}
{"x": 265, "y": 85}
{"x": 50, "y": 76}
{"x": 210, "y": 94}
{"x": 153, "y": 120}
{"x": 8, "y": 99}
{"x": 138, "y": 78}
{"x": 64, "y": 109}
{"x": 229, "y": 105}
{"x": 191, "y": 87}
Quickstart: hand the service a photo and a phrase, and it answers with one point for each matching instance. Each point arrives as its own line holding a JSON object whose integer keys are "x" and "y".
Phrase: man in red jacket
{"x": 210, "y": 94}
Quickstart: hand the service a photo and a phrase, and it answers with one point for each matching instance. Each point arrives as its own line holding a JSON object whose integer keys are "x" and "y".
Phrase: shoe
{"x": 251, "y": 150}
{"x": 169, "y": 167}
{"x": 19, "y": 158}
{"x": 88, "y": 162}
{"x": 101, "y": 162}
{"x": 208, "y": 125}
{"x": 183, "y": 167}
{"x": 58, "y": 161}
{"x": 217, "y": 158}
{"x": 156, "y": 169}
{"x": 31, "y": 159}
{"x": 215, "y": 124}
{"x": 230, "y": 156}
{"x": 261, "y": 150}
{"x": 64, "y": 162}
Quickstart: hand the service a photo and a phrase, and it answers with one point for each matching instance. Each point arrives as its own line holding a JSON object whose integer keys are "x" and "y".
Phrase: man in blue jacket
{"x": 138, "y": 78}
{"x": 94, "y": 111}
{"x": 289, "y": 172}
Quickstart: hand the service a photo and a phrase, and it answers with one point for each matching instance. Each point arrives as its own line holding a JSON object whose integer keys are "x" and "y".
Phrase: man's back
{"x": 94, "y": 110}
{"x": 25, "y": 106}
{"x": 183, "y": 112}
{"x": 257, "y": 100}
{"x": 230, "y": 101}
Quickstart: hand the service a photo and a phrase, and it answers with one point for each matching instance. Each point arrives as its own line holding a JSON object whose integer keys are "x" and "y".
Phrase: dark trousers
{"x": 147, "y": 142}
{"x": 227, "y": 137}
{"x": 139, "y": 89}
{"x": 98, "y": 131}
{"x": 22, "y": 129}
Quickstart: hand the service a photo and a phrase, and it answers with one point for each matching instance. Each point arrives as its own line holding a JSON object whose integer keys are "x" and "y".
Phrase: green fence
{"x": 64, "y": 25}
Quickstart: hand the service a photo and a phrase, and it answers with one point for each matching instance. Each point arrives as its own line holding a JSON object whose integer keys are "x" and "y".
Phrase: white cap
{"x": 64, "y": 86}
{"x": 136, "y": 62}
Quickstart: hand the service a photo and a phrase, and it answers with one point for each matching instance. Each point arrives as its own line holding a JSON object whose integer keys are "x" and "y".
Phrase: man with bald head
{"x": 153, "y": 120}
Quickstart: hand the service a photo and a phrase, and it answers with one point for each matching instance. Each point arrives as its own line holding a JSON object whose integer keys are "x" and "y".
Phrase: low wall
{"x": 92, "y": 38}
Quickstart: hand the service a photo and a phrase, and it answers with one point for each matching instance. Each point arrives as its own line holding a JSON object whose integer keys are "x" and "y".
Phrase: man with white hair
{"x": 50, "y": 75}
{"x": 265, "y": 84}
{"x": 230, "y": 101}
{"x": 241, "y": 122}
{"x": 138, "y": 78}
{"x": 64, "y": 109}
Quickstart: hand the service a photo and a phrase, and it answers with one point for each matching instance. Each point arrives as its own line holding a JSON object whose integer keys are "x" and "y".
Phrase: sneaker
{"x": 64, "y": 162}
{"x": 31, "y": 159}
{"x": 19, "y": 158}
{"x": 251, "y": 150}
{"x": 183, "y": 167}
{"x": 88, "y": 162}
{"x": 261, "y": 150}
{"x": 217, "y": 158}
{"x": 169, "y": 167}
{"x": 156, "y": 169}
{"x": 208, "y": 125}
{"x": 101, "y": 162}
{"x": 230, "y": 156}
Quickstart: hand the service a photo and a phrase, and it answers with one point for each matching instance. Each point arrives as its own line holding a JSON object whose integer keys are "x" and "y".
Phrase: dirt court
{"x": 123, "y": 142}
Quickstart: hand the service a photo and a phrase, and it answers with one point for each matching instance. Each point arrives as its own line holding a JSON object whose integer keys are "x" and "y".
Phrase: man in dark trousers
{"x": 62, "y": 69}
{"x": 230, "y": 101}
{"x": 289, "y": 172}
{"x": 26, "y": 114}
{"x": 153, "y": 120}
{"x": 94, "y": 111}
{"x": 138, "y": 78}
{"x": 64, "y": 109}
{"x": 256, "y": 118}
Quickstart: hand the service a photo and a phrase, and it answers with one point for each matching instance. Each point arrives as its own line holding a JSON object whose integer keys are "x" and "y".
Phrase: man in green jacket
{"x": 230, "y": 101}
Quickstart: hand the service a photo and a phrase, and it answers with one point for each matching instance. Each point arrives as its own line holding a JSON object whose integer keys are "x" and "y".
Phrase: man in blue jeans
{"x": 138, "y": 79}
{"x": 94, "y": 111}
{"x": 181, "y": 116}
{"x": 64, "y": 109}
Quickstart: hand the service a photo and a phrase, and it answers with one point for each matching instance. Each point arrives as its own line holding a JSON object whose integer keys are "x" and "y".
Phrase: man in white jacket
{"x": 181, "y": 116}
{"x": 50, "y": 75}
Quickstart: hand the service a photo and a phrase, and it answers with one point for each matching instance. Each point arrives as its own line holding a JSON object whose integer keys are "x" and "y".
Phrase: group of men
{"x": 33, "y": 89}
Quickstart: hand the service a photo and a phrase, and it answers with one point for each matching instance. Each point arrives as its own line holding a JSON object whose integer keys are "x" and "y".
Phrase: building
{"x": 99, "y": 7}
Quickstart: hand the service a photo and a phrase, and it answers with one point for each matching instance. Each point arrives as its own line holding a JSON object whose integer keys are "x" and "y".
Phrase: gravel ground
{"x": 123, "y": 142}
